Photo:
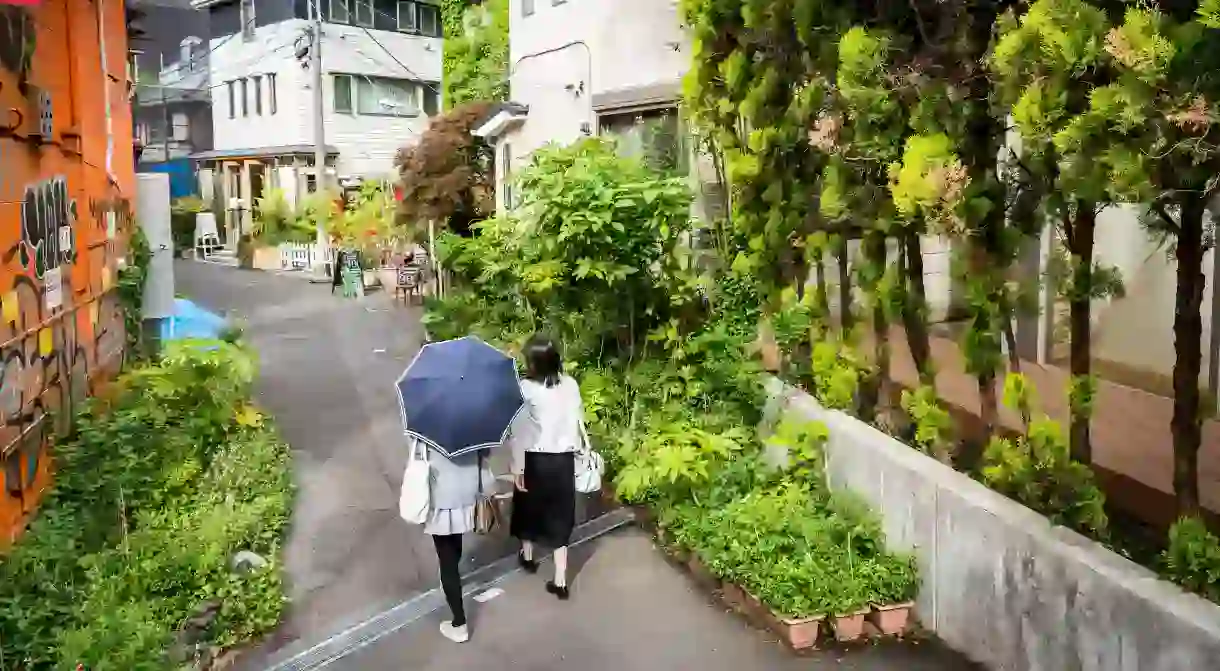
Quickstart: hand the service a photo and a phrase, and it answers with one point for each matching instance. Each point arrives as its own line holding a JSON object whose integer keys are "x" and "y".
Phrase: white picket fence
{"x": 297, "y": 256}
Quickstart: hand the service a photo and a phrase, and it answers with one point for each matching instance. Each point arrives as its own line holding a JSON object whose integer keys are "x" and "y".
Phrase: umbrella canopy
{"x": 459, "y": 396}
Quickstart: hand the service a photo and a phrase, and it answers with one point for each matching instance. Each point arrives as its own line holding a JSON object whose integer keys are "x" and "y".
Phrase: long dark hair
{"x": 542, "y": 361}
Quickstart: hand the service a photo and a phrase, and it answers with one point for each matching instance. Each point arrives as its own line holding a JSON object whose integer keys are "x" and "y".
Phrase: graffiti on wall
{"x": 64, "y": 214}
{"x": 54, "y": 347}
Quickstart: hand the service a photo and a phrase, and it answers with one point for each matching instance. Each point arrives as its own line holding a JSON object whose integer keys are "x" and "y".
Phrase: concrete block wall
{"x": 1000, "y": 583}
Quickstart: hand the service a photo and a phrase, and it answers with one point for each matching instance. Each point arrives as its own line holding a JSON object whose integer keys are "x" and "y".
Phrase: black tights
{"x": 449, "y": 556}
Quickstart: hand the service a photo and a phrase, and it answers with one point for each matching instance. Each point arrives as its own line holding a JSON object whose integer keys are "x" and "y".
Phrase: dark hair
{"x": 542, "y": 361}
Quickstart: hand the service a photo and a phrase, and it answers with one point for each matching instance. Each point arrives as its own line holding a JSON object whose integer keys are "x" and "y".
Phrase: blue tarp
{"x": 182, "y": 179}
{"x": 190, "y": 321}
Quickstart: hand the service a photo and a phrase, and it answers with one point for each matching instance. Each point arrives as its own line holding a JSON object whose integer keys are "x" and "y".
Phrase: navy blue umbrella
{"x": 459, "y": 396}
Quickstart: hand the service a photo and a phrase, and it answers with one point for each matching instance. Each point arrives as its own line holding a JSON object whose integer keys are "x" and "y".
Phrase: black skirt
{"x": 546, "y": 512}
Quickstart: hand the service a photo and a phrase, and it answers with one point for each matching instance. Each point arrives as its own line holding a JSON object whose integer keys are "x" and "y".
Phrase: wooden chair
{"x": 408, "y": 286}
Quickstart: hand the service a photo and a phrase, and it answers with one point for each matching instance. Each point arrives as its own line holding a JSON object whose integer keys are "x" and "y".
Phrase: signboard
{"x": 408, "y": 278}
{"x": 351, "y": 273}
{"x": 53, "y": 288}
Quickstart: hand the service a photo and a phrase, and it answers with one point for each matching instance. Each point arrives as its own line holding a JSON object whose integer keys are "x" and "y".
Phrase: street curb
{"x": 387, "y": 622}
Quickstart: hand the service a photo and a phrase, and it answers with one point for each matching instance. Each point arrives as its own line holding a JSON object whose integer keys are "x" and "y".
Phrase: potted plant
{"x": 274, "y": 222}
{"x": 895, "y": 585}
{"x": 848, "y": 603}
{"x": 787, "y": 594}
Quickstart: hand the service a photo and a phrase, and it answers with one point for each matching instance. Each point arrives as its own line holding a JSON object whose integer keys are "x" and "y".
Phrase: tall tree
{"x": 1164, "y": 105}
{"x": 1048, "y": 64}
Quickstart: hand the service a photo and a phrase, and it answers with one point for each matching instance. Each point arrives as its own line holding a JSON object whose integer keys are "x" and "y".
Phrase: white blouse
{"x": 551, "y": 421}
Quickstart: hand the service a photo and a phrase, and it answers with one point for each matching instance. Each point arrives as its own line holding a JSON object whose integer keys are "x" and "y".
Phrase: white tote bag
{"x": 589, "y": 466}
{"x": 415, "y": 500}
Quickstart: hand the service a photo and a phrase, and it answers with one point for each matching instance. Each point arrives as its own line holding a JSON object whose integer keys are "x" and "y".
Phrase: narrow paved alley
{"x": 327, "y": 371}
{"x": 629, "y": 610}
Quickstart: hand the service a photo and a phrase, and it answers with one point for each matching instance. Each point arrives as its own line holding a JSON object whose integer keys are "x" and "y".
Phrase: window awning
{"x": 500, "y": 119}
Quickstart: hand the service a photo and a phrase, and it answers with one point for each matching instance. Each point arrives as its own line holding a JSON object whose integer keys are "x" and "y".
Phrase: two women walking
{"x": 545, "y": 437}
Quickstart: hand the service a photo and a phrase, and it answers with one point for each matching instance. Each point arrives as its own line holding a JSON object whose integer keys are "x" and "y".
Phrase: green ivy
{"x": 130, "y": 288}
{"x": 475, "y": 64}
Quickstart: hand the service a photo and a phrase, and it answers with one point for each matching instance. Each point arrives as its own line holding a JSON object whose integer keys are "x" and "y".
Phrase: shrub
{"x": 1037, "y": 470}
{"x": 158, "y": 486}
{"x": 1192, "y": 559}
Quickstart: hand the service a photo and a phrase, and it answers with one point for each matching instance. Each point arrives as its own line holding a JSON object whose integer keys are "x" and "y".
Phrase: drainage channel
{"x": 366, "y": 633}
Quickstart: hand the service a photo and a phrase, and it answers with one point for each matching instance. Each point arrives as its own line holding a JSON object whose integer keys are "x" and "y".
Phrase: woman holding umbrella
{"x": 458, "y": 399}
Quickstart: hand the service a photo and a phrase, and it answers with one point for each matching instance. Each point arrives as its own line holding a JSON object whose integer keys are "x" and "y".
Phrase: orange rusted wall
{"x": 65, "y": 209}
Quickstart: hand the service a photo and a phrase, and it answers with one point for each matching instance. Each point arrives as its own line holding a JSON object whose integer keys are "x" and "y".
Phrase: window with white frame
{"x": 408, "y": 17}
{"x": 245, "y": 97}
{"x": 432, "y": 99}
{"x": 527, "y": 7}
{"x": 429, "y": 19}
{"x": 387, "y": 97}
{"x": 181, "y": 127}
{"x": 506, "y": 175}
{"x": 363, "y": 14}
{"x": 653, "y": 135}
{"x": 232, "y": 99}
{"x": 272, "y": 102}
{"x": 247, "y": 20}
{"x": 376, "y": 96}
{"x": 419, "y": 18}
{"x": 258, "y": 94}
{"x": 343, "y": 94}
{"x": 340, "y": 11}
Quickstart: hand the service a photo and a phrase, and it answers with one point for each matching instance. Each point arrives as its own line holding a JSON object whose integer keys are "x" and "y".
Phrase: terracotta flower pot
{"x": 733, "y": 596}
{"x": 761, "y": 616}
{"x": 703, "y": 577}
{"x": 893, "y": 619}
{"x": 800, "y": 634}
{"x": 850, "y": 626}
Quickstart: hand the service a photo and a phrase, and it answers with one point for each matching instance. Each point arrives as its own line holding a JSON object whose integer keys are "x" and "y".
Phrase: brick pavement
{"x": 1130, "y": 431}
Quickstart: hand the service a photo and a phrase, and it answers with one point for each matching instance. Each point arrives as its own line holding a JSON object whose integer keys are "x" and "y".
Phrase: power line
{"x": 218, "y": 84}
{"x": 389, "y": 53}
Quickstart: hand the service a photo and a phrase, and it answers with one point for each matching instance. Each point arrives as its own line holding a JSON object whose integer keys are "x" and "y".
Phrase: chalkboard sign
{"x": 351, "y": 259}
{"x": 408, "y": 277}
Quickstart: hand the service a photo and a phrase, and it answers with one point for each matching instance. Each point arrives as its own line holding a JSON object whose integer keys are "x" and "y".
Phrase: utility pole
{"x": 319, "y": 125}
{"x": 165, "y": 118}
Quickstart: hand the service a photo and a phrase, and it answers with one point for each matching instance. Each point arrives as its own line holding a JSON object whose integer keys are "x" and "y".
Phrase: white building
{"x": 577, "y": 66}
{"x": 381, "y": 63}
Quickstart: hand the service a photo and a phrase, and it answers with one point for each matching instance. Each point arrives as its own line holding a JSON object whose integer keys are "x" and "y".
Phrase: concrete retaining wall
{"x": 1000, "y": 583}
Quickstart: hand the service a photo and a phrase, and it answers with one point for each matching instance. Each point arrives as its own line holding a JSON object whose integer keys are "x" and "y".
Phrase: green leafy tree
{"x": 1049, "y": 64}
{"x": 1163, "y": 105}
{"x": 594, "y": 227}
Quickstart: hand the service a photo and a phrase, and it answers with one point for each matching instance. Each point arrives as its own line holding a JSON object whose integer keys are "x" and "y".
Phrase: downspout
{"x": 1213, "y": 348}
{"x": 101, "y": 39}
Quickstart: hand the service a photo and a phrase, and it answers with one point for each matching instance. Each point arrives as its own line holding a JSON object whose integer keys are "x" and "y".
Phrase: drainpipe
{"x": 1213, "y": 348}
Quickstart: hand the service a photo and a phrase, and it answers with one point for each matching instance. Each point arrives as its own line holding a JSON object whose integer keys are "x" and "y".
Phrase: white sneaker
{"x": 456, "y": 634}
